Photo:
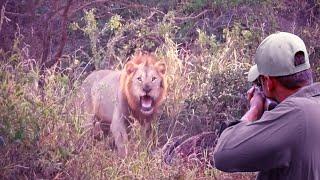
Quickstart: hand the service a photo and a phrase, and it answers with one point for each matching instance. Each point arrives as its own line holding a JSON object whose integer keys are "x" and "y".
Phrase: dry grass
{"x": 43, "y": 138}
{"x": 42, "y": 135}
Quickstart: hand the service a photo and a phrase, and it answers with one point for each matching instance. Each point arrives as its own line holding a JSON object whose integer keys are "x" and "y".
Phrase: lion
{"x": 110, "y": 97}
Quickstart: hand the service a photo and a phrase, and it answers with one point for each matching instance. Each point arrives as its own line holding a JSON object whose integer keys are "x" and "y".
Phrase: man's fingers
{"x": 250, "y": 93}
{"x": 258, "y": 93}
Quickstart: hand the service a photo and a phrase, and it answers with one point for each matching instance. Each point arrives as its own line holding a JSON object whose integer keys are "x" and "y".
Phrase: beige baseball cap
{"x": 275, "y": 56}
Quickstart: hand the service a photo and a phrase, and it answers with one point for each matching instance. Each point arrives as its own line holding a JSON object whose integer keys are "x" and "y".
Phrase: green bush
{"x": 207, "y": 55}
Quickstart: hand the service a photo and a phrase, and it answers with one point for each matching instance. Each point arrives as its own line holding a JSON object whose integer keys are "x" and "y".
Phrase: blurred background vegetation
{"x": 47, "y": 47}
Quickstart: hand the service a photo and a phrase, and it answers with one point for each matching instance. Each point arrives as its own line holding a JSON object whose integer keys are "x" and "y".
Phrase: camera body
{"x": 269, "y": 104}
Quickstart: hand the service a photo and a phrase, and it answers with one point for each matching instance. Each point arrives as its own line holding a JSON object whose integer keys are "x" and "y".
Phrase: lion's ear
{"x": 161, "y": 67}
{"x": 130, "y": 67}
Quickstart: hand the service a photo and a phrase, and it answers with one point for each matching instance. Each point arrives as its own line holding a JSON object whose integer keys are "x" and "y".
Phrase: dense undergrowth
{"x": 208, "y": 47}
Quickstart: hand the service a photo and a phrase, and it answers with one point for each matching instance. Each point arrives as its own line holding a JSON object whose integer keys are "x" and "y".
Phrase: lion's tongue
{"x": 146, "y": 102}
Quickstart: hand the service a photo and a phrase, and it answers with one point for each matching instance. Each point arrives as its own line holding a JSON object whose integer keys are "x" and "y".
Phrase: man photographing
{"x": 282, "y": 143}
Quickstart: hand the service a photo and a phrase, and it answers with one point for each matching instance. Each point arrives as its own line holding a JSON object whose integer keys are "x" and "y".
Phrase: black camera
{"x": 269, "y": 104}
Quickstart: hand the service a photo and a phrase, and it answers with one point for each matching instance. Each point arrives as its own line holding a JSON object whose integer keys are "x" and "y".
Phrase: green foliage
{"x": 115, "y": 23}
{"x": 229, "y": 3}
{"x": 92, "y": 30}
{"x": 205, "y": 40}
{"x": 207, "y": 58}
{"x": 91, "y": 27}
{"x": 196, "y": 5}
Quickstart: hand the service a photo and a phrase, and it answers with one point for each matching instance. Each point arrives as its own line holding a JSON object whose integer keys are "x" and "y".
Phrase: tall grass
{"x": 43, "y": 138}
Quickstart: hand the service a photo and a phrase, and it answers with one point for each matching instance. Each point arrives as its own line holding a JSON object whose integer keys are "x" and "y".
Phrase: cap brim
{"x": 253, "y": 73}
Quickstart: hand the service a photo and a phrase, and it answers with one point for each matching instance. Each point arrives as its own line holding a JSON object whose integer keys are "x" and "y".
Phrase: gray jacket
{"x": 283, "y": 144}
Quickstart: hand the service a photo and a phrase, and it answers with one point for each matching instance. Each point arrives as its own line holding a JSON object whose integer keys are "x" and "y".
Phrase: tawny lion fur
{"x": 110, "y": 97}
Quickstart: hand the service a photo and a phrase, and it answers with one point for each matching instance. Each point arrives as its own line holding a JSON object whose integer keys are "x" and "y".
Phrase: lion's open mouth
{"x": 146, "y": 103}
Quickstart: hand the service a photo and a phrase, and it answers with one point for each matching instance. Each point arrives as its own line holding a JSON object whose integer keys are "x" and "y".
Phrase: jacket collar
{"x": 308, "y": 91}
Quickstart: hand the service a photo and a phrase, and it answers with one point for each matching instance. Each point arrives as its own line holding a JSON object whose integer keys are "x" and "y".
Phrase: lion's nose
{"x": 146, "y": 88}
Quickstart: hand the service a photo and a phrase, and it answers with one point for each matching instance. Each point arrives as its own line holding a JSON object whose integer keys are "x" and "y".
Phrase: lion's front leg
{"x": 121, "y": 139}
{"x": 119, "y": 132}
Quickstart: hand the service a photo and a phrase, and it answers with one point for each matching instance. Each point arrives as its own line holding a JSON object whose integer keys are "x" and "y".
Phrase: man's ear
{"x": 161, "y": 67}
{"x": 130, "y": 67}
{"x": 270, "y": 83}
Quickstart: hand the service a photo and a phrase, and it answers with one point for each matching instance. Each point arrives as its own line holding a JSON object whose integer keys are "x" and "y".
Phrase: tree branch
{"x": 191, "y": 17}
{"x": 87, "y": 4}
{"x": 63, "y": 36}
{"x": 3, "y": 10}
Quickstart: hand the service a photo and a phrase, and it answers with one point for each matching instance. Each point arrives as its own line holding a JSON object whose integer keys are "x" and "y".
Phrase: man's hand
{"x": 256, "y": 99}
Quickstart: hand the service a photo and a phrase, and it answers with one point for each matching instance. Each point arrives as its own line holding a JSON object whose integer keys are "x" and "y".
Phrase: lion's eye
{"x": 139, "y": 79}
{"x": 154, "y": 78}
